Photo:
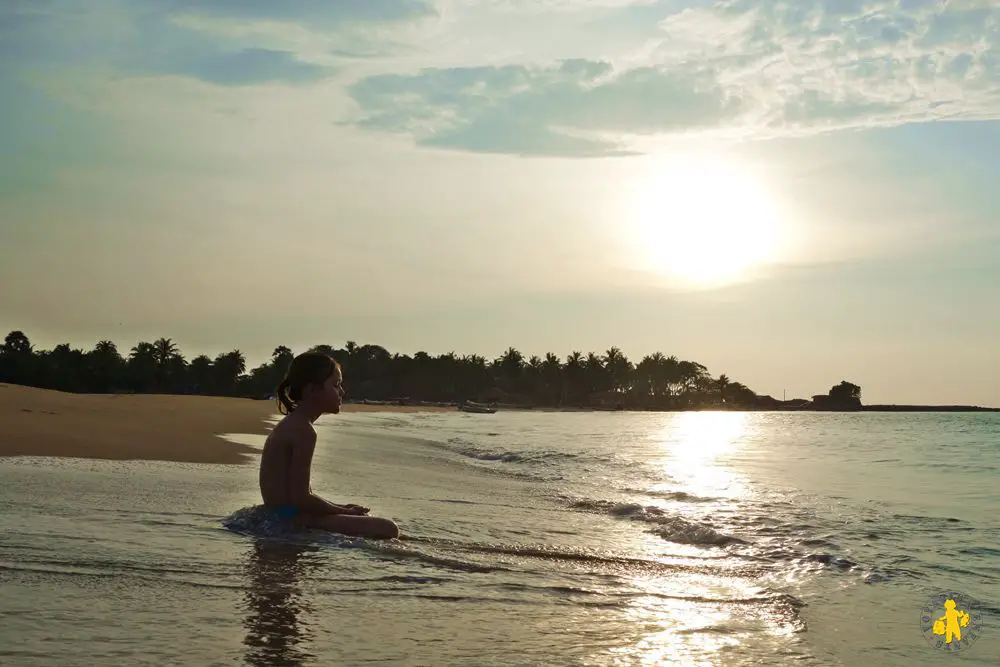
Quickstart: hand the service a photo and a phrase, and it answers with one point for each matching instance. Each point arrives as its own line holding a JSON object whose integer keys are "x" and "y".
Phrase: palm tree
{"x": 509, "y": 367}
{"x": 552, "y": 380}
{"x": 170, "y": 365}
{"x": 533, "y": 383}
{"x": 227, "y": 369}
{"x": 722, "y": 386}
{"x": 662, "y": 372}
{"x": 105, "y": 366}
{"x": 63, "y": 368}
{"x": 573, "y": 377}
{"x": 200, "y": 374}
{"x": 106, "y": 348}
{"x": 17, "y": 361}
{"x": 741, "y": 395}
{"x": 142, "y": 366}
{"x": 164, "y": 350}
{"x": 595, "y": 375}
{"x": 621, "y": 373}
{"x": 657, "y": 381}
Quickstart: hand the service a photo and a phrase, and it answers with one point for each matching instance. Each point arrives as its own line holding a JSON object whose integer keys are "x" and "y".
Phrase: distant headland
{"x": 608, "y": 381}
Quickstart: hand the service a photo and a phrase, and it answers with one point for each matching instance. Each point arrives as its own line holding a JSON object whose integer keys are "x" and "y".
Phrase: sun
{"x": 705, "y": 220}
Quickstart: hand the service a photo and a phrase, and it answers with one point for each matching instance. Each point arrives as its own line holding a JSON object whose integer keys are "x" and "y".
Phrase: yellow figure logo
{"x": 950, "y": 625}
{"x": 945, "y": 631}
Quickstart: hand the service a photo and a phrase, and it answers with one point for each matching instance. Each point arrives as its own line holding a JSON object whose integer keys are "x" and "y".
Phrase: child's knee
{"x": 387, "y": 529}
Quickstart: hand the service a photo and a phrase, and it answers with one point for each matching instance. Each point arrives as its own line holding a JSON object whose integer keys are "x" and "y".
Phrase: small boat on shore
{"x": 477, "y": 408}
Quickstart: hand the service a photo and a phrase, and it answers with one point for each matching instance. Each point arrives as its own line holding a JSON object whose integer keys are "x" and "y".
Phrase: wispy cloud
{"x": 740, "y": 68}
{"x": 323, "y": 13}
{"x": 536, "y": 110}
{"x": 246, "y": 67}
{"x": 491, "y": 80}
{"x": 224, "y": 42}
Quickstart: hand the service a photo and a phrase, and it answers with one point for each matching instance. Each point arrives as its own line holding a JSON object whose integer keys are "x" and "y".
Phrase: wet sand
{"x": 41, "y": 422}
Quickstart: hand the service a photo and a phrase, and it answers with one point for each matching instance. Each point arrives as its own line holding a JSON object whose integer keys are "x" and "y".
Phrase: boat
{"x": 477, "y": 408}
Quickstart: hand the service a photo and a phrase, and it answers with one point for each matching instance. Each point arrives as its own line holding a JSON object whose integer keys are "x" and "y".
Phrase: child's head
{"x": 315, "y": 379}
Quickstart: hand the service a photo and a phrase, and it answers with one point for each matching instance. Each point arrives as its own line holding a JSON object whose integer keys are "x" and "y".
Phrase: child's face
{"x": 332, "y": 394}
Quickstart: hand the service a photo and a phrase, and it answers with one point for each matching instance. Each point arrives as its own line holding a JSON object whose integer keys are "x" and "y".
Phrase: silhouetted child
{"x": 312, "y": 387}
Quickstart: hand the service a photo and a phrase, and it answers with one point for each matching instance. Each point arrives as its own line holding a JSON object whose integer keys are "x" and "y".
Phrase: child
{"x": 312, "y": 387}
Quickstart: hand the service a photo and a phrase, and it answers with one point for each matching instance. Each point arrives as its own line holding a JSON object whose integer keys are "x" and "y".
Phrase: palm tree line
{"x": 608, "y": 380}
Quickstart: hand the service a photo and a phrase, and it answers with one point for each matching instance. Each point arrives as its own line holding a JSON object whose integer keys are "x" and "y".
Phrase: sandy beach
{"x": 41, "y": 422}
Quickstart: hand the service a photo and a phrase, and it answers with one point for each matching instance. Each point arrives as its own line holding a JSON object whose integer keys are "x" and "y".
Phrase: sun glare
{"x": 705, "y": 220}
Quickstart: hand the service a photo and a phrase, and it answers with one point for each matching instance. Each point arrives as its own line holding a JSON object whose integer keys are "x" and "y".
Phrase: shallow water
{"x": 529, "y": 539}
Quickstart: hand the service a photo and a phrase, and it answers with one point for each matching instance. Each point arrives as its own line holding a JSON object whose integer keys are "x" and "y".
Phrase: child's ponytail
{"x": 285, "y": 403}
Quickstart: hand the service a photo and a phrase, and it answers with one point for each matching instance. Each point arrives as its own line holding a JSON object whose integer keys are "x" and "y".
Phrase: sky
{"x": 791, "y": 193}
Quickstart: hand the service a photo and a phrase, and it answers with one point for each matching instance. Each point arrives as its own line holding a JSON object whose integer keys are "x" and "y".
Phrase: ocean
{"x": 700, "y": 538}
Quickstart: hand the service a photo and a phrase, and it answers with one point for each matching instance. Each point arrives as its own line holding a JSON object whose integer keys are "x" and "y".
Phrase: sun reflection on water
{"x": 702, "y": 614}
{"x": 695, "y": 445}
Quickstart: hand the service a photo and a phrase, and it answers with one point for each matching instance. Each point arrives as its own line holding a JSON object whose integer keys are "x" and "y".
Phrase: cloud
{"x": 322, "y": 13}
{"x": 741, "y": 68}
{"x": 249, "y": 66}
{"x": 540, "y": 110}
{"x": 222, "y": 42}
{"x": 827, "y": 64}
{"x": 613, "y": 74}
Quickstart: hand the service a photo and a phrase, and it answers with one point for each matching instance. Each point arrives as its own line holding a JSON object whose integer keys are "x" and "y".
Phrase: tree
{"x": 64, "y": 368}
{"x": 16, "y": 343}
{"x": 226, "y": 371}
{"x": 105, "y": 367}
{"x": 142, "y": 369}
{"x": 846, "y": 391}
{"x": 509, "y": 367}
{"x": 608, "y": 381}
{"x": 169, "y": 363}
{"x": 845, "y": 396}
{"x": 572, "y": 378}
{"x": 16, "y": 359}
{"x": 620, "y": 371}
{"x": 200, "y": 376}
{"x": 722, "y": 386}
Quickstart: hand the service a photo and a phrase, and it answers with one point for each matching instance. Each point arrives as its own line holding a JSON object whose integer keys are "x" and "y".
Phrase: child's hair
{"x": 307, "y": 368}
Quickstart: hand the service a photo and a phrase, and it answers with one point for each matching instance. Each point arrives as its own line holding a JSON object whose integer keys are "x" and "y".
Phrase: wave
{"x": 119, "y": 573}
{"x": 507, "y": 456}
{"x": 618, "y": 598}
{"x": 528, "y": 457}
{"x": 681, "y": 496}
{"x": 980, "y": 551}
{"x": 601, "y": 562}
{"x": 668, "y": 526}
{"x": 791, "y": 545}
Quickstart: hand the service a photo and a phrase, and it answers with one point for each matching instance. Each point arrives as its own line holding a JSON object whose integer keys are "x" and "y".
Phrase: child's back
{"x": 276, "y": 461}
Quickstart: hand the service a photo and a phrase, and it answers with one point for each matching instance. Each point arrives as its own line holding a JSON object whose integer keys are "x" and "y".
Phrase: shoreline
{"x": 194, "y": 429}
{"x": 148, "y": 427}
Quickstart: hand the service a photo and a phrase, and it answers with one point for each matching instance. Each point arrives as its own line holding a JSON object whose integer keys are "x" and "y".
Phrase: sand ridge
{"x": 161, "y": 427}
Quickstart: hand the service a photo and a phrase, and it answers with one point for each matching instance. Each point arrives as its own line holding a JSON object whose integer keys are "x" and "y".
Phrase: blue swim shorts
{"x": 286, "y": 512}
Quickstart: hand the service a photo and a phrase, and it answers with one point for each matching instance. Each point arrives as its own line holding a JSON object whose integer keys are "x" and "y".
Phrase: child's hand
{"x": 356, "y": 509}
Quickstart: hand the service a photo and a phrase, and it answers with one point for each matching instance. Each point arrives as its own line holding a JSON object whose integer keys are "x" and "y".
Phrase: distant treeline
{"x": 371, "y": 372}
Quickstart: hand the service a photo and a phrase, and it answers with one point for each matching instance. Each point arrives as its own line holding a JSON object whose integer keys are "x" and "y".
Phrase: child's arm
{"x": 299, "y": 474}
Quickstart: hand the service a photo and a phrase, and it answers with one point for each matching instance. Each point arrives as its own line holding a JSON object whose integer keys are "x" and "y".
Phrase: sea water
{"x": 529, "y": 539}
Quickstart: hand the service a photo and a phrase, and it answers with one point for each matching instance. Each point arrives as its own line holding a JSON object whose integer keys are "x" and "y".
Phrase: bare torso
{"x": 276, "y": 461}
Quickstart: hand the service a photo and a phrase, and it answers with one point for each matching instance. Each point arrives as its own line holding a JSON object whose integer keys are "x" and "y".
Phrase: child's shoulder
{"x": 290, "y": 428}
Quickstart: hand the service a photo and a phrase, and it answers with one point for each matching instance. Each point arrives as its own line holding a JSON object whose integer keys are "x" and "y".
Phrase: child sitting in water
{"x": 312, "y": 387}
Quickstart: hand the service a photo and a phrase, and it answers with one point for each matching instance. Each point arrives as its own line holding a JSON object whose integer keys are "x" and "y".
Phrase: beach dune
{"x": 160, "y": 427}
